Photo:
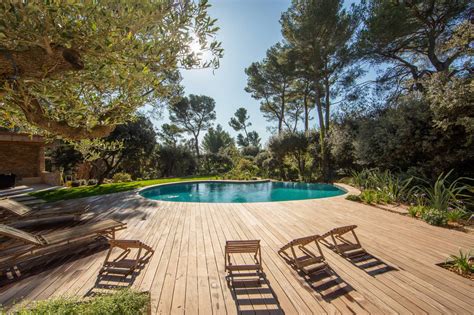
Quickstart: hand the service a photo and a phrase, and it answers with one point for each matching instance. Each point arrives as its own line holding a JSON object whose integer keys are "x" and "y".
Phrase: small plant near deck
{"x": 462, "y": 264}
{"x": 455, "y": 215}
{"x": 417, "y": 211}
{"x": 443, "y": 195}
{"x": 126, "y": 302}
{"x": 353, "y": 198}
{"x": 434, "y": 217}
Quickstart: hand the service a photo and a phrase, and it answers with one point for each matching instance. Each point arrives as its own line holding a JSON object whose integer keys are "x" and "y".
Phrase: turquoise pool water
{"x": 217, "y": 192}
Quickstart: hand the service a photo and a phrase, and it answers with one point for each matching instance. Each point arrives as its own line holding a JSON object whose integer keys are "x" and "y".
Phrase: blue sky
{"x": 247, "y": 29}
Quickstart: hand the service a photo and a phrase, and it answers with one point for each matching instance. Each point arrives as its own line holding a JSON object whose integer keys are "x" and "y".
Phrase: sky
{"x": 247, "y": 29}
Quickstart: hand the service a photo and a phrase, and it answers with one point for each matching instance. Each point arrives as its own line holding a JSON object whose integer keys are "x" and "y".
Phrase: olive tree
{"x": 78, "y": 70}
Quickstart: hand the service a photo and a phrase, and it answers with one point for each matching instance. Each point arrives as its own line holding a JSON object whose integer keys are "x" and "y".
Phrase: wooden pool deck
{"x": 186, "y": 273}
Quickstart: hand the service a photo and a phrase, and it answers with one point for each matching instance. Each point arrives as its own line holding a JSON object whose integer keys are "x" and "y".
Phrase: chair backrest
{"x": 250, "y": 246}
{"x": 301, "y": 241}
{"x": 20, "y": 235}
{"x": 343, "y": 229}
{"x": 14, "y": 207}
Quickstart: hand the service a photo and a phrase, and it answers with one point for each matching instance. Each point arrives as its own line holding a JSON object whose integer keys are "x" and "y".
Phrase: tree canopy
{"x": 78, "y": 70}
{"x": 194, "y": 114}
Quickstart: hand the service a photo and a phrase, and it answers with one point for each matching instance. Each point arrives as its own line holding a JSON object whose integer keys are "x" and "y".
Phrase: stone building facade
{"x": 23, "y": 155}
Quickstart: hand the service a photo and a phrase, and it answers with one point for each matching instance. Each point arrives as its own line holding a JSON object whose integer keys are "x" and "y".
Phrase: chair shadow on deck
{"x": 119, "y": 271}
{"x": 326, "y": 282}
{"x": 372, "y": 265}
{"x": 253, "y": 296}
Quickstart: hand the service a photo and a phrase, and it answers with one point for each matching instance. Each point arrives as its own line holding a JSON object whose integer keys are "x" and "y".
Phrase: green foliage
{"x": 463, "y": 264}
{"x": 104, "y": 189}
{"x": 434, "y": 217}
{"x": 412, "y": 37}
{"x": 402, "y": 137}
{"x": 295, "y": 147}
{"x": 389, "y": 187}
{"x": 170, "y": 134}
{"x": 353, "y": 198}
{"x": 126, "y": 302}
{"x": 417, "y": 211}
{"x": 78, "y": 77}
{"x": 244, "y": 170}
{"x": 370, "y": 196}
{"x": 174, "y": 161}
{"x": 216, "y": 139}
{"x": 455, "y": 215}
{"x": 444, "y": 195}
{"x": 121, "y": 178}
{"x": 193, "y": 114}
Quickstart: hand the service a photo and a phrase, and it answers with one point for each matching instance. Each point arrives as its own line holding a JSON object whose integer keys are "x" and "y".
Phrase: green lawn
{"x": 87, "y": 191}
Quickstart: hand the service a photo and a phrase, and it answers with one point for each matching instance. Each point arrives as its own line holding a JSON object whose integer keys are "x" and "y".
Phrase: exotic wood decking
{"x": 186, "y": 272}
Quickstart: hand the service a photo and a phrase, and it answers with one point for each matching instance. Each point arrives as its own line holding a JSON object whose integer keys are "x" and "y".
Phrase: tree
{"x": 194, "y": 114}
{"x": 216, "y": 139}
{"x": 170, "y": 134}
{"x": 128, "y": 146}
{"x": 270, "y": 81}
{"x": 319, "y": 33}
{"x": 240, "y": 122}
{"x": 409, "y": 35}
{"x": 76, "y": 77}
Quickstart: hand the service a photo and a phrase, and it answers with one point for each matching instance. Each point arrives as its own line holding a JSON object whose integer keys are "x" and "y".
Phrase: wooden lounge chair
{"x": 122, "y": 264}
{"x": 244, "y": 247}
{"x": 13, "y": 211}
{"x": 17, "y": 246}
{"x": 341, "y": 244}
{"x": 306, "y": 260}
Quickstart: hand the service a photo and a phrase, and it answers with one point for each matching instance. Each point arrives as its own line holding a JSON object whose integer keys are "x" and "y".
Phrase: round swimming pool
{"x": 240, "y": 192}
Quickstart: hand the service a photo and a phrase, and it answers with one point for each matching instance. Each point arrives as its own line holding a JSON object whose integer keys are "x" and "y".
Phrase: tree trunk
{"x": 196, "y": 145}
{"x": 38, "y": 63}
{"x": 322, "y": 140}
{"x": 34, "y": 114}
{"x": 306, "y": 113}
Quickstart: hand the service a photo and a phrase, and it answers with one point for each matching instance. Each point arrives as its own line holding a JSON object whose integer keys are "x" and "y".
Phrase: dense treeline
{"x": 319, "y": 91}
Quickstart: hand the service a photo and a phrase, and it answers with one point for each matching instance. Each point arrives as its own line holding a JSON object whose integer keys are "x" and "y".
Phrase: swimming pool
{"x": 239, "y": 192}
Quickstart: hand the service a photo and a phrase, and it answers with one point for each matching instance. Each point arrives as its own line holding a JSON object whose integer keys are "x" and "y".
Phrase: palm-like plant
{"x": 444, "y": 195}
{"x": 462, "y": 263}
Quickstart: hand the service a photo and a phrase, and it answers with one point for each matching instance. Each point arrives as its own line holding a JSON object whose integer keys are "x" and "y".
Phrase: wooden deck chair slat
{"x": 84, "y": 230}
{"x": 20, "y": 235}
{"x": 14, "y": 207}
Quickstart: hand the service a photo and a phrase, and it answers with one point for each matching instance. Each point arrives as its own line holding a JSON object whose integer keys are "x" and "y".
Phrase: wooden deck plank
{"x": 186, "y": 274}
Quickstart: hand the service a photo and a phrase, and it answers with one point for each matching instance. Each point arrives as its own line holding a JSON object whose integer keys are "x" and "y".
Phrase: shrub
{"x": 462, "y": 264}
{"x": 443, "y": 195}
{"x": 353, "y": 198}
{"x": 121, "y": 177}
{"x": 371, "y": 196}
{"x": 455, "y": 215}
{"x": 125, "y": 302}
{"x": 92, "y": 182}
{"x": 417, "y": 211}
{"x": 434, "y": 217}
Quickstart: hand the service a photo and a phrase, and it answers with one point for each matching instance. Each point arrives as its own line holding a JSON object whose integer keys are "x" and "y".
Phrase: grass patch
{"x": 126, "y": 302}
{"x": 88, "y": 191}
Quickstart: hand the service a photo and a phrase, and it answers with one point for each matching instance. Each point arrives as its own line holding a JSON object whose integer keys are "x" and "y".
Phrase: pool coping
{"x": 345, "y": 188}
